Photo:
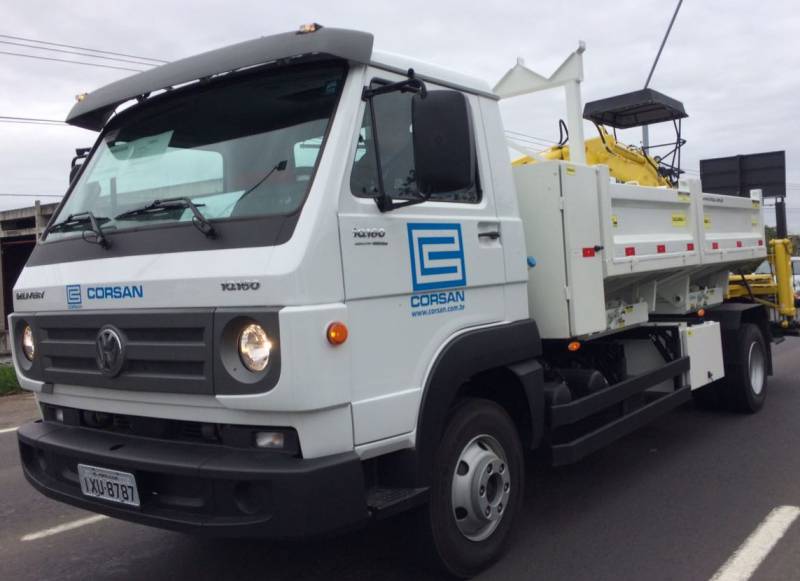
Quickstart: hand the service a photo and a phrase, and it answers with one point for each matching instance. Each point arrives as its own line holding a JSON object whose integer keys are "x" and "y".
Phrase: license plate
{"x": 111, "y": 485}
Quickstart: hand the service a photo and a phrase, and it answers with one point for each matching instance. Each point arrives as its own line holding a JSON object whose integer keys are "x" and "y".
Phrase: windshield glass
{"x": 215, "y": 146}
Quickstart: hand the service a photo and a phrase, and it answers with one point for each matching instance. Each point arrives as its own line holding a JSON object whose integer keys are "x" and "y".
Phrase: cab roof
{"x": 94, "y": 109}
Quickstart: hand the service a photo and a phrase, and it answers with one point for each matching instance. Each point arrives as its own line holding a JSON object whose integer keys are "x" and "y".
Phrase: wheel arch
{"x": 475, "y": 363}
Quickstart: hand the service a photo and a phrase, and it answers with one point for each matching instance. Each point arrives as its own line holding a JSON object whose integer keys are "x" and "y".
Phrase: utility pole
{"x": 645, "y": 128}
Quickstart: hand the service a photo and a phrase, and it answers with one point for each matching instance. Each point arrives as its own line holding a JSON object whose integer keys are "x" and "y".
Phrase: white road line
{"x": 8, "y": 430}
{"x": 65, "y": 527}
{"x": 744, "y": 562}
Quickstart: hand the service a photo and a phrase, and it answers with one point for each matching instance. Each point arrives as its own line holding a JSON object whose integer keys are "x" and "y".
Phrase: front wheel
{"x": 477, "y": 488}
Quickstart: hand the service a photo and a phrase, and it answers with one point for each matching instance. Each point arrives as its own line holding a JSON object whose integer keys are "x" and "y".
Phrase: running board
{"x": 593, "y": 441}
{"x": 384, "y": 502}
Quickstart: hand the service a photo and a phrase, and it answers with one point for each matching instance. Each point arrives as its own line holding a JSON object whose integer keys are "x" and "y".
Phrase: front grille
{"x": 165, "y": 351}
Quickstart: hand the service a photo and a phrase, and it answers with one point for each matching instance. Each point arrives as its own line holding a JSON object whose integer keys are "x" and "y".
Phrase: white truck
{"x": 297, "y": 285}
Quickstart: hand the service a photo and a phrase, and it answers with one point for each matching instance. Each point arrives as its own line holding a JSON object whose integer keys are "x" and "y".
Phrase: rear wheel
{"x": 477, "y": 488}
{"x": 746, "y": 380}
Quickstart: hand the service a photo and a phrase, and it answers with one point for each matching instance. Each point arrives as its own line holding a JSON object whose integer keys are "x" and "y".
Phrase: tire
{"x": 745, "y": 385}
{"x": 478, "y": 466}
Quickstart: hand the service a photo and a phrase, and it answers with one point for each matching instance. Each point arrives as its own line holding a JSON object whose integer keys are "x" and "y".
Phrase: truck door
{"x": 415, "y": 276}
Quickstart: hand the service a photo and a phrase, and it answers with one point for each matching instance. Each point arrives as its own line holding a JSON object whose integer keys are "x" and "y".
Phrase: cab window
{"x": 394, "y": 137}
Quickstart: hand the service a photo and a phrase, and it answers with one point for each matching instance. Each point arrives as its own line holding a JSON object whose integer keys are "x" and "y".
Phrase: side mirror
{"x": 80, "y": 155}
{"x": 444, "y": 144}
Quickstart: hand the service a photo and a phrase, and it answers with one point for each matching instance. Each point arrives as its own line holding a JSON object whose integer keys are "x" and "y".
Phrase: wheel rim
{"x": 481, "y": 487}
{"x": 757, "y": 365}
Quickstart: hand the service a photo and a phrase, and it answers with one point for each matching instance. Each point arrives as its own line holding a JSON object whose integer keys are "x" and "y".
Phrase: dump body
{"x": 610, "y": 255}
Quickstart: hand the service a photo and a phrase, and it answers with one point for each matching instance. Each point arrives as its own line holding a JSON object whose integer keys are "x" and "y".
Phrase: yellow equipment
{"x": 625, "y": 163}
{"x": 775, "y": 290}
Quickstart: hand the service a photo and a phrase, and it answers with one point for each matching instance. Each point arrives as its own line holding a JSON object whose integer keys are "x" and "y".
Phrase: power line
{"x": 33, "y": 195}
{"x": 82, "y": 48}
{"x": 520, "y": 135}
{"x": 31, "y": 120}
{"x": 88, "y": 54}
{"x": 47, "y": 58}
{"x": 31, "y": 123}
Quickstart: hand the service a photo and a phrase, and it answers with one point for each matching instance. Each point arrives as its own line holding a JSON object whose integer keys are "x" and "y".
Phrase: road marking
{"x": 8, "y": 430}
{"x": 744, "y": 562}
{"x": 64, "y": 528}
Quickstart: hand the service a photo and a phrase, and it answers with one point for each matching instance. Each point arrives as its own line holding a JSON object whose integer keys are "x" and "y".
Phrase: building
{"x": 19, "y": 231}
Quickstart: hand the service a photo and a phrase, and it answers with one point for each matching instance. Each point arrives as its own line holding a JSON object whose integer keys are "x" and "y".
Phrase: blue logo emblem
{"x": 74, "y": 296}
{"x": 437, "y": 256}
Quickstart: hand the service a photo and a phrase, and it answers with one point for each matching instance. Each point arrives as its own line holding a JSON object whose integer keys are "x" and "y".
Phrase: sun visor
{"x": 95, "y": 108}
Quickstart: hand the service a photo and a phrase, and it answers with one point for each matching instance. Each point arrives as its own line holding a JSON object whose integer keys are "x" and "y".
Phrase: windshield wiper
{"x": 156, "y": 206}
{"x": 83, "y": 219}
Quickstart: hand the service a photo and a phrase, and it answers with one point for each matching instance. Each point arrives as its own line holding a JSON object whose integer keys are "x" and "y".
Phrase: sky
{"x": 734, "y": 64}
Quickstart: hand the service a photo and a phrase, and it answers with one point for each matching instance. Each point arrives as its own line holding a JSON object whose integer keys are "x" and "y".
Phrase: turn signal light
{"x": 574, "y": 346}
{"x": 337, "y": 333}
{"x": 701, "y": 313}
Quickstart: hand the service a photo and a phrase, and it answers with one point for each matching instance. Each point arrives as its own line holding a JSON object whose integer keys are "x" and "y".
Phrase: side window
{"x": 393, "y": 120}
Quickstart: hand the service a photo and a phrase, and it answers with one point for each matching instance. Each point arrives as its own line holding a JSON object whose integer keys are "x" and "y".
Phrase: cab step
{"x": 384, "y": 502}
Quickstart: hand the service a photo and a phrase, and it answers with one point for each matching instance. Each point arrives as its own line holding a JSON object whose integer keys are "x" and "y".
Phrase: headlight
{"x": 254, "y": 347}
{"x": 28, "y": 345}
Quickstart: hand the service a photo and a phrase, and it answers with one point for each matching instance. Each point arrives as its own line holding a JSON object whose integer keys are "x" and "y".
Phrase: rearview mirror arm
{"x": 410, "y": 85}
{"x": 384, "y": 201}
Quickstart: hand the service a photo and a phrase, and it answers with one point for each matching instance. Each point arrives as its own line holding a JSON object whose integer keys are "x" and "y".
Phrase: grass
{"x": 8, "y": 380}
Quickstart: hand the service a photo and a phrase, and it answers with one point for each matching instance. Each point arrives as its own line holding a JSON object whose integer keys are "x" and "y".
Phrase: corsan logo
{"x": 437, "y": 256}
{"x": 75, "y": 294}
{"x": 115, "y": 292}
{"x": 437, "y": 263}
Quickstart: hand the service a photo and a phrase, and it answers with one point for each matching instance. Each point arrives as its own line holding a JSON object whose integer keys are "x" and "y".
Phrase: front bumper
{"x": 208, "y": 489}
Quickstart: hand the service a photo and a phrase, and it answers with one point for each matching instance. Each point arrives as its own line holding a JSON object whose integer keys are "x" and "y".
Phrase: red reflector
{"x": 761, "y": 243}
{"x": 738, "y": 244}
{"x": 661, "y": 248}
{"x": 715, "y": 246}
{"x": 630, "y": 251}
{"x": 690, "y": 246}
{"x": 588, "y": 252}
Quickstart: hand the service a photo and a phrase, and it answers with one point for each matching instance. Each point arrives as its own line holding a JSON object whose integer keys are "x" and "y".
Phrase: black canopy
{"x": 635, "y": 109}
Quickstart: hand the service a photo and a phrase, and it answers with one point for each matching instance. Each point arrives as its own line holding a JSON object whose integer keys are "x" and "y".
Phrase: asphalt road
{"x": 673, "y": 501}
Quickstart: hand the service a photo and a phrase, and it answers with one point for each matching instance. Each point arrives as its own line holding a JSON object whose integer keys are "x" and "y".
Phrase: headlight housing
{"x": 254, "y": 347}
{"x": 28, "y": 343}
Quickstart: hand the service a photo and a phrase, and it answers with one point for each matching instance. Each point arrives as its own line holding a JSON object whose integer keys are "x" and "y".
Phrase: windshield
{"x": 215, "y": 146}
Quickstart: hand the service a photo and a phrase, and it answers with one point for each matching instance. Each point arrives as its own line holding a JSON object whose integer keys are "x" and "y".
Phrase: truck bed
{"x": 609, "y": 255}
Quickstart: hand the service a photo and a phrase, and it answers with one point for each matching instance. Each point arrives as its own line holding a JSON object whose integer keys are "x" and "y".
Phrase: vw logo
{"x": 110, "y": 351}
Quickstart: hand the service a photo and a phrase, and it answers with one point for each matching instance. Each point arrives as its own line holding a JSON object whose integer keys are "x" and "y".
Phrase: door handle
{"x": 493, "y": 235}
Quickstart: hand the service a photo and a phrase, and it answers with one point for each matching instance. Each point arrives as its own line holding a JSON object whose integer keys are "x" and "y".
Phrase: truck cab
{"x": 289, "y": 291}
